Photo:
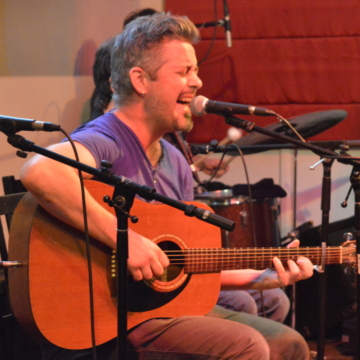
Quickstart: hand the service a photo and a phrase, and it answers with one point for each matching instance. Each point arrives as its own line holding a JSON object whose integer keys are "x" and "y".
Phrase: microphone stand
{"x": 123, "y": 197}
{"x": 253, "y": 149}
{"x": 325, "y": 207}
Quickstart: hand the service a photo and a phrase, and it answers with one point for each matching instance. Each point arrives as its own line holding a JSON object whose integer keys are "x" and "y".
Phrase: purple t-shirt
{"x": 108, "y": 138}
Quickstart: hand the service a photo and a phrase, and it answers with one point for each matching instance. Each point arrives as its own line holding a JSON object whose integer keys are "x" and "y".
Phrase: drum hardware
{"x": 275, "y": 211}
{"x": 254, "y": 227}
{"x": 312, "y": 167}
{"x": 244, "y": 217}
{"x": 347, "y": 237}
{"x": 233, "y": 134}
{"x": 343, "y": 148}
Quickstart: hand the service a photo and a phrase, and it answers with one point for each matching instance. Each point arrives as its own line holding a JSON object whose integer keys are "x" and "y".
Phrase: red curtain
{"x": 294, "y": 57}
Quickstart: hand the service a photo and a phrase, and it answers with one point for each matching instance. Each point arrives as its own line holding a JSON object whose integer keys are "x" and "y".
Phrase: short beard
{"x": 188, "y": 126}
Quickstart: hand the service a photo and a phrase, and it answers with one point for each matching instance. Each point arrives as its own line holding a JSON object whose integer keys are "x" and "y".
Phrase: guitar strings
{"x": 218, "y": 255}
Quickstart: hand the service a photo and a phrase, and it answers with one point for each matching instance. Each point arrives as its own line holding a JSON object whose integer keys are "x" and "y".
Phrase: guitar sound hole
{"x": 176, "y": 258}
{"x": 151, "y": 295}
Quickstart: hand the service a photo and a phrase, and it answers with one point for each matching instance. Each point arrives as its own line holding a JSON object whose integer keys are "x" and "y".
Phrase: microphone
{"x": 210, "y": 24}
{"x": 227, "y": 24}
{"x": 200, "y": 105}
{"x": 11, "y": 125}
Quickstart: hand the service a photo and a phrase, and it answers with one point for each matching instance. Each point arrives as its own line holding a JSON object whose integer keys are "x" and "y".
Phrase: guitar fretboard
{"x": 216, "y": 260}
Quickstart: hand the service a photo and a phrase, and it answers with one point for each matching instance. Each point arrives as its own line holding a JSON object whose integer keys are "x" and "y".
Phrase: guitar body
{"x": 49, "y": 293}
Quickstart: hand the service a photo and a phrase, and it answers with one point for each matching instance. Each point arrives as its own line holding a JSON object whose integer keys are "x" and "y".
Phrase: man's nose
{"x": 195, "y": 81}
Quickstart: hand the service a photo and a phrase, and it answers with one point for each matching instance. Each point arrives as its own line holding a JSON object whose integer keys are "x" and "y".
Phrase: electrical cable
{"x": 213, "y": 37}
{"x": 88, "y": 254}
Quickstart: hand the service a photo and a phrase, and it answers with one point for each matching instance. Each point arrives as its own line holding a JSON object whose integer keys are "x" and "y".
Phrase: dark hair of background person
{"x": 102, "y": 93}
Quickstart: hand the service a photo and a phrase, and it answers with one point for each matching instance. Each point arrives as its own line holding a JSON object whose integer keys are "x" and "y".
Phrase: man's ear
{"x": 110, "y": 82}
{"x": 138, "y": 79}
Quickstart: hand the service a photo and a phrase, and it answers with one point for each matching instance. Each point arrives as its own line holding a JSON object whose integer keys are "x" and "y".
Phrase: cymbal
{"x": 306, "y": 125}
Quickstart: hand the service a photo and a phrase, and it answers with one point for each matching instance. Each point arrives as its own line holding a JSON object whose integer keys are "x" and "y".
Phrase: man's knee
{"x": 238, "y": 341}
{"x": 258, "y": 349}
{"x": 290, "y": 345}
{"x": 237, "y": 300}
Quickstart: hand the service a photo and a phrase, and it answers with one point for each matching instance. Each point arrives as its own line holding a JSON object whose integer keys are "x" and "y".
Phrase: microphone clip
{"x": 240, "y": 123}
{"x": 212, "y": 147}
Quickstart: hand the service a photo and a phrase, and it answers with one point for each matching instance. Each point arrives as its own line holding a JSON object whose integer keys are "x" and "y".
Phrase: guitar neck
{"x": 216, "y": 260}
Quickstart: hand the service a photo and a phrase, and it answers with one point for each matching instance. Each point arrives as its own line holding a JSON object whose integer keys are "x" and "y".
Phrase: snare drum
{"x": 256, "y": 220}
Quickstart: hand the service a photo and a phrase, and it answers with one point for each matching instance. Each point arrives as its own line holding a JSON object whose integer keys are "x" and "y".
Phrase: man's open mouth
{"x": 184, "y": 101}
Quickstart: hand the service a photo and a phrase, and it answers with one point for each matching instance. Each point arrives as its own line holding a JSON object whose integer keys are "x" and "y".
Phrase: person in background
{"x": 102, "y": 94}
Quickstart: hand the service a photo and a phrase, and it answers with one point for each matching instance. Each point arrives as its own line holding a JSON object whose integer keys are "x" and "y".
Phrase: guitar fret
{"x": 241, "y": 260}
{"x": 340, "y": 256}
{"x": 228, "y": 261}
{"x": 214, "y": 260}
{"x": 318, "y": 258}
{"x": 222, "y": 262}
{"x": 222, "y": 266}
{"x": 187, "y": 257}
{"x": 288, "y": 253}
{"x": 248, "y": 261}
{"x": 197, "y": 263}
{"x": 207, "y": 260}
{"x": 202, "y": 260}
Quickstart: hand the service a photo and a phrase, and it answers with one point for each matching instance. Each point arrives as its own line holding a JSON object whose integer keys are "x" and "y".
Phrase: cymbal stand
{"x": 355, "y": 183}
{"x": 325, "y": 208}
{"x": 292, "y": 236}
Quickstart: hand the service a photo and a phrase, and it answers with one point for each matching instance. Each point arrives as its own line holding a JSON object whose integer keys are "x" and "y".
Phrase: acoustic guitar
{"x": 49, "y": 292}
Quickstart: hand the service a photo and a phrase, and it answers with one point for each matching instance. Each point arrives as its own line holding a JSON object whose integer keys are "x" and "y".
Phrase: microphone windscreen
{"x": 197, "y": 105}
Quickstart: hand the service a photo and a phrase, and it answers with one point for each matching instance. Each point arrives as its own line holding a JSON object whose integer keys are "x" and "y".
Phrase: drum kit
{"x": 256, "y": 220}
{"x": 256, "y": 217}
